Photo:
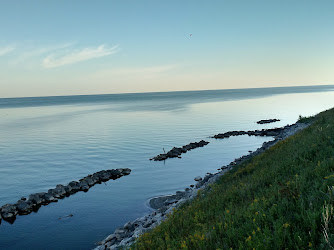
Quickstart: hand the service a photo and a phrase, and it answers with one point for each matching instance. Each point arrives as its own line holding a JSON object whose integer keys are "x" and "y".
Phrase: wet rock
{"x": 170, "y": 201}
{"x": 198, "y": 178}
{"x": 59, "y": 191}
{"x": 36, "y": 199}
{"x": 267, "y": 121}
{"x": 120, "y": 233}
{"x": 176, "y": 152}
{"x": 47, "y": 198}
{"x": 111, "y": 239}
{"x": 104, "y": 176}
{"x": 148, "y": 223}
{"x": 75, "y": 186}
{"x": 129, "y": 226}
{"x": 126, "y": 171}
{"x": 264, "y": 132}
{"x": 24, "y": 207}
{"x": 8, "y": 211}
{"x": 68, "y": 190}
{"x": 87, "y": 181}
{"x": 84, "y": 187}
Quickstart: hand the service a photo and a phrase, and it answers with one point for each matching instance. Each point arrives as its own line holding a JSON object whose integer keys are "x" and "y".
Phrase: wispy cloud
{"x": 6, "y": 50}
{"x": 60, "y": 59}
{"x": 30, "y": 53}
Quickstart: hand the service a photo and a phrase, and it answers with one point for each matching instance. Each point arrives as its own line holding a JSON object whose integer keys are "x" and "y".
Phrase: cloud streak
{"x": 61, "y": 59}
{"x": 6, "y": 50}
{"x": 28, "y": 54}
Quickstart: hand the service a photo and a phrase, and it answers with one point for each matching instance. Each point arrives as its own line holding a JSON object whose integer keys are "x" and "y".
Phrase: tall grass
{"x": 277, "y": 200}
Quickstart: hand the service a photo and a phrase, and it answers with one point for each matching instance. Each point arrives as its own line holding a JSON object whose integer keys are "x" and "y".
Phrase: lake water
{"x": 54, "y": 140}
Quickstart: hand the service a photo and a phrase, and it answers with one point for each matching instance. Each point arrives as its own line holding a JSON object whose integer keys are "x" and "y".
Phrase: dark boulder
{"x": 36, "y": 198}
{"x": 47, "y": 197}
{"x": 74, "y": 186}
{"x": 68, "y": 190}
{"x": 267, "y": 121}
{"x": 8, "y": 211}
{"x": 24, "y": 207}
{"x": 126, "y": 171}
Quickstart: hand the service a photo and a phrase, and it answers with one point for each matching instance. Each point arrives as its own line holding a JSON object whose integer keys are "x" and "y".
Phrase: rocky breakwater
{"x": 264, "y": 132}
{"x": 33, "y": 202}
{"x": 267, "y": 121}
{"x": 277, "y": 133}
{"x": 124, "y": 236}
{"x": 176, "y": 152}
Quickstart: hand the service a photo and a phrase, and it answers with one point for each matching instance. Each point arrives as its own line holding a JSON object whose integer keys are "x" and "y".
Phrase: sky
{"x": 51, "y": 48}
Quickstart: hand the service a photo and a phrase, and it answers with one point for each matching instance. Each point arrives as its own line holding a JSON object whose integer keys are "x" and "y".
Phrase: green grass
{"x": 277, "y": 200}
{"x": 304, "y": 119}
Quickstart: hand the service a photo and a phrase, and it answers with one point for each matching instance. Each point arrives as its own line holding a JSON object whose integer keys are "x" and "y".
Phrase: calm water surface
{"x": 54, "y": 140}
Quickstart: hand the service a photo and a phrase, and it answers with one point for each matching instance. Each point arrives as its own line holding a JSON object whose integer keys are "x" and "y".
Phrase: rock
{"x": 129, "y": 226}
{"x": 23, "y": 198}
{"x": 170, "y": 201}
{"x": 176, "y": 152}
{"x": 8, "y": 211}
{"x": 24, "y": 207}
{"x": 198, "y": 178}
{"x": 47, "y": 197}
{"x": 84, "y": 188}
{"x": 111, "y": 237}
{"x": 267, "y": 121}
{"x": 148, "y": 223}
{"x": 105, "y": 176}
{"x": 54, "y": 193}
{"x": 68, "y": 190}
{"x": 60, "y": 189}
{"x": 126, "y": 171}
{"x": 88, "y": 181}
{"x": 198, "y": 185}
{"x": 36, "y": 199}
{"x": 120, "y": 234}
{"x": 75, "y": 186}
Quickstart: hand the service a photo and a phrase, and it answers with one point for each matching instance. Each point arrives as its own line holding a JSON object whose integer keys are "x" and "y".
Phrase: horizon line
{"x": 172, "y": 91}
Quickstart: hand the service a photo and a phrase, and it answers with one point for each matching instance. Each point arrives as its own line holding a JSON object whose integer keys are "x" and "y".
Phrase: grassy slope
{"x": 276, "y": 200}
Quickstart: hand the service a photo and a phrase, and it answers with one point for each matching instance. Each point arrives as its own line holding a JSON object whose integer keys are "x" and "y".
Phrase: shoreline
{"x": 165, "y": 204}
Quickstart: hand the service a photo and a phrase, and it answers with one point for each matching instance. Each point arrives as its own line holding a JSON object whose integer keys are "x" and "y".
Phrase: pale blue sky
{"x": 98, "y": 47}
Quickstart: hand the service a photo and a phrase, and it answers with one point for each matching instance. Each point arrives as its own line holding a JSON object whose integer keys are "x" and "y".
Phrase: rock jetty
{"x": 274, "y": 132}
{"x": 33, "y": 202}
{"x": 124, "y": 236}
{"x": 267, "y": 121}
{"x": 176, "y": 152}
